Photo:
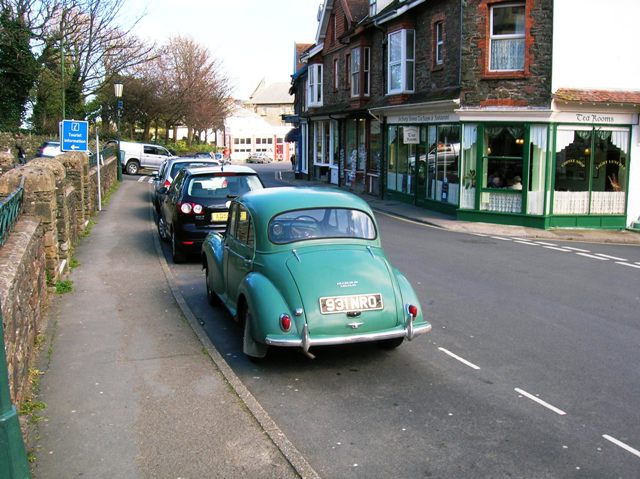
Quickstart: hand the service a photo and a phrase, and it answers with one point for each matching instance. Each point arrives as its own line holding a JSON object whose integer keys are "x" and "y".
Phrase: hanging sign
{"x": 411, "y": 135}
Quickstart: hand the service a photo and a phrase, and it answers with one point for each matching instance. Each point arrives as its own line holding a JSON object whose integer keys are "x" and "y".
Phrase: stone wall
{"x": 59, "y": 198}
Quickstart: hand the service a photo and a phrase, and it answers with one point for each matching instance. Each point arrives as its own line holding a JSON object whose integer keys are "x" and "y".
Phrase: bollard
{"x": 13, "y": 457}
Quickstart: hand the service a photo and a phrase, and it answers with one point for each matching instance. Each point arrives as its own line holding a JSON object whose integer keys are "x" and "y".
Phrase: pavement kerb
{"x": 280, "y": 440}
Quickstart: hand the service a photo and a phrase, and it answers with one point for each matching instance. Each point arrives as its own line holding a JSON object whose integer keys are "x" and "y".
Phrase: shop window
{"x": 591, "y": 171}
{"x": 401, "y": 62}
{"x": 470, "y": 162}
{"x": 538, "y": 152}
{"x": 401, "y": 156}
{"x": 507, "y": 38}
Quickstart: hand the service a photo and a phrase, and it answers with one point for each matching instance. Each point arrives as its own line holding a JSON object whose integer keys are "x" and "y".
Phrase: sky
{"x": 253, "y": 39}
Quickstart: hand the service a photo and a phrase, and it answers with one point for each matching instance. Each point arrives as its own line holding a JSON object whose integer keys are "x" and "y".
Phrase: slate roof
{"x": 618, "y": 97}
{"x": 272, "y": 94}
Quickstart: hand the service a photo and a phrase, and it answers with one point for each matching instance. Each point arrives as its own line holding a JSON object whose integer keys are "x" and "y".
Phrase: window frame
{"x": 438, "y": 43}
{"x": 366, "y": 71}
{"x": 314, "y": 85}
{"x": 511, "y": 36}
{"x": 336, "y": 74}
{"x": 356, "y": 65}
{"x": 403, "y": 62}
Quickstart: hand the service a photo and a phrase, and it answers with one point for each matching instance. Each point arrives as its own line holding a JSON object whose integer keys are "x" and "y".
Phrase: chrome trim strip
{"x": 306, "y": 341}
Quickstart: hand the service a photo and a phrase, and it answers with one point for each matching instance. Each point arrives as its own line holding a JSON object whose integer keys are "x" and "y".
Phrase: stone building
{"x": 489, "y": 110}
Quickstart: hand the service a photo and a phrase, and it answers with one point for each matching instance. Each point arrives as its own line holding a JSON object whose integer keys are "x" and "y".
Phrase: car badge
{"x": 347, "y": 284}
{"x": 355, "y": 325}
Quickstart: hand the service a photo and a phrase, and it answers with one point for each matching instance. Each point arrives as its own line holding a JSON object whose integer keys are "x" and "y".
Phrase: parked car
{"x": 197, "y": 203}
{"x": 135, "y": 156}
{"x": 49, "y": 149}
{"x": 169, "y": 170}
{"x": 259, "y": 158}
{"x": 304, "y": 267}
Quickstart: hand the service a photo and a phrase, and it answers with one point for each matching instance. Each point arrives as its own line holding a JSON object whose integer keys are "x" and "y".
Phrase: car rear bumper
{"x": 307, "y": 341}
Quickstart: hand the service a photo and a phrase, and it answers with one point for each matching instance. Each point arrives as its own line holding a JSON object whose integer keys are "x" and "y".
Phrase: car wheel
{"x": 253, "y": 349}
{"x": 212, "y": 297}
{"x": 132, "y": 168}
{"x": 176, "y": 254}
{"x": 392, "y": 343}
{"x": 162, "y": 228}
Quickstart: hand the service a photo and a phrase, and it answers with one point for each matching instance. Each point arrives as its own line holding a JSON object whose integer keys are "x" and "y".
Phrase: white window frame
{"x": 319, "y": 132}
{"x": 406, "y": 63}
{"x": 314, "y": 85}
{"x": 355, "y": 72}
{"x": 514, "y": 36}
{"x": 439, "y": 43}
{"x": 336, "y": 74}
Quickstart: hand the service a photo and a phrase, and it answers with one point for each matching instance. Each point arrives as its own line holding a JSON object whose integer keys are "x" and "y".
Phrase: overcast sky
{"x": 252, "y": 38}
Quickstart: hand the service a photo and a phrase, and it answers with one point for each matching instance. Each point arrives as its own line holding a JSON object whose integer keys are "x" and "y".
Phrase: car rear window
{"x": 219, "y": 186}
{"x": 175, "y": 169}
{"x": 318, "y": 223}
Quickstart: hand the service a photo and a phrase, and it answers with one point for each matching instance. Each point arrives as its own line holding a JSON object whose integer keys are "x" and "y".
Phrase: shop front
{"x": 423, "y": 160}
{"x": 571, "y": 173}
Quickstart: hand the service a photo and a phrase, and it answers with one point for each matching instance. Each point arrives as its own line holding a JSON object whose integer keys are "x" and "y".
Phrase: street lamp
{"x": 117, "y": 89}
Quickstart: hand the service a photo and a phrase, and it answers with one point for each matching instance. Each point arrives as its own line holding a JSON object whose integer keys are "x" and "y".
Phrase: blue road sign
{"x": 74, "y": 135}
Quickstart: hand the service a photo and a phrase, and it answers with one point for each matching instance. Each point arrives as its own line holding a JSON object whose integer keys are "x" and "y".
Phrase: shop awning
{"x": 292, "y": 135}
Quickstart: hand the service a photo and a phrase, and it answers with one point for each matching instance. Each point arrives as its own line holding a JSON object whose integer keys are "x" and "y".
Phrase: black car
{"x": 168, "y": 171}
{"x": 197, "y": 203}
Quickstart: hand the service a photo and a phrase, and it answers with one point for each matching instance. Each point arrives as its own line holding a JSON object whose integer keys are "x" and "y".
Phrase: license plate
{"x": 219, "y": 216}
{"x": 354, "y": 302}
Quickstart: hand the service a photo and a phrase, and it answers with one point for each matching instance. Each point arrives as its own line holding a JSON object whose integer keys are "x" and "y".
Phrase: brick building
{"x": 491, "y": 110}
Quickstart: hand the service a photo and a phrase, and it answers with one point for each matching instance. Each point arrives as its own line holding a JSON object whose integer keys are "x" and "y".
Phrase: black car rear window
{"x": 175, "y": 169}
{"x": 222, "y": 186}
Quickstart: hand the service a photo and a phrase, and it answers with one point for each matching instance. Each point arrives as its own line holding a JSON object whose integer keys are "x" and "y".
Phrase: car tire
{"x": 389, "y": 344}
{"x": 177, "y": 255}
{"x": 250, "y": 347}
{"x": 162, "y": 229}
{"x": 132, "y": 168}
{"x": 212, "y": 297}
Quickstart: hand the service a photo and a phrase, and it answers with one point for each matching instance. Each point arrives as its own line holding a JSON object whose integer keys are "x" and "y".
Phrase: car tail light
{"x": 285, "y": 322}
{"x": 185, "y": 208}
{"x": 166, "y": 184}
{"x": 197, "y": 209}
{"x": 413, "y": 311}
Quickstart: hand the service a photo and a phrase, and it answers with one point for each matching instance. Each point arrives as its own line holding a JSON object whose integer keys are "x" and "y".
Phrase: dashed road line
{"x": 579, "y": 250}
{"x": 500, "y": 238}
{"x": 540, "y": 401}
{"x": 610, "y": 257}
{"x": 546, "y": 244}
{"x": 628, "y": 264}
{"x": 557, "y": 249}
{"x": 621, "y": 444}
{"x": 462, "y": 360}
{"x": 528, "y": 243}
{"x": 592, "y": 256}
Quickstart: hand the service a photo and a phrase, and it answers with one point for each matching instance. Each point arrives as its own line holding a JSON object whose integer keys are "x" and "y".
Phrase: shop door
{"x": 422, "y": 173}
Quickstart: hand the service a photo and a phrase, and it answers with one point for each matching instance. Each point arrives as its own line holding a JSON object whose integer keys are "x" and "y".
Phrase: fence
{"x": 10, "y": 208}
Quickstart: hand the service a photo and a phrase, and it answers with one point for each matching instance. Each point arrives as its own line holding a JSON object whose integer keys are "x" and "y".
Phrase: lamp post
{"x": 117, "y": 89}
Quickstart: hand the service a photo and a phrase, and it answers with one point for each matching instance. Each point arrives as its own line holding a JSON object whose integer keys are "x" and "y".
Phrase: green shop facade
{"x": 567, "y": 168}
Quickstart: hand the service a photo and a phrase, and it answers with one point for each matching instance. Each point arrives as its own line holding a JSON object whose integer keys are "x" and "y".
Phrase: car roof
{"x": 266, "y": 203}
{"x": 203, "y": 170}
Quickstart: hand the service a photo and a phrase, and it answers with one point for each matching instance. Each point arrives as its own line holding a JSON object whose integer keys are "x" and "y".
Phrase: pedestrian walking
{"x": 22, "y": 157}
{"x": 293, "y": 162}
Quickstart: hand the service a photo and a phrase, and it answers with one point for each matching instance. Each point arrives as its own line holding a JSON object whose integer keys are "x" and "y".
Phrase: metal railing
{"x": 10, "y": 209}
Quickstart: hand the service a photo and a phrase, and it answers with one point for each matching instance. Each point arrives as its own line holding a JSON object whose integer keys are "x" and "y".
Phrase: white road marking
{"x": 578, "y": 249}
{"x": 479, "y": 234}
{"x": 500, "y": 238}
{"x": 540, "y": 401}
{"x": 400, "y": 218}
{"x": 546, "y": 244}
{"x": 592, "y": 256}
{"x": 141, "y": 179}
{"x": 628, "y": 264}
{"x": 557, "y": 249}
{"x": 462, "y": 360}
{"x": 610, "y": 257}
{"x": 624, "y": 446}
{"x": 526, "y": 242}
{"x": 638, "y": 262}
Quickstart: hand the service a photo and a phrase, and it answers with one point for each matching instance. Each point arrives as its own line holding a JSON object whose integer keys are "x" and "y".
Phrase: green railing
{"x": 10, "y": 208}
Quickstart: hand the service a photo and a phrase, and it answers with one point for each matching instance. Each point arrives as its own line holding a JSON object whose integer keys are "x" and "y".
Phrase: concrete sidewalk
{"x": 130, "y": 390}
{"x": 440, "y": 220}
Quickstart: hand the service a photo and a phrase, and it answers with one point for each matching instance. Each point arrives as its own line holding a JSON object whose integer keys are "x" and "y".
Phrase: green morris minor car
{"x": 304, "y": 267}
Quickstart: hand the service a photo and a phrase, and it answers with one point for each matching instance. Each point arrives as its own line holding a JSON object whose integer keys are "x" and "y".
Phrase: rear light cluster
{"x": 413, "y": 311}
{"x": 166, "y": 184}
{"x": 188, "y": 208}
{"x": 285, "y": 322}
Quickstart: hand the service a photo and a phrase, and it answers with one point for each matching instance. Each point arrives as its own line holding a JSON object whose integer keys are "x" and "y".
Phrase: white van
{"x": 142, "y": 155}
